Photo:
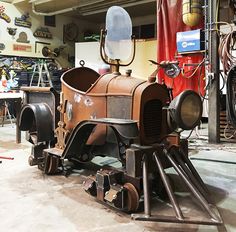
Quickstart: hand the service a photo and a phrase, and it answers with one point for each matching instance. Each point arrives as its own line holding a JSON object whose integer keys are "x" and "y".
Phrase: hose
{"x": 230, "y": 96}
{"x": 194, "y": 70}
{"x": 226, "y": 45}
{"x": 228, "y": 60}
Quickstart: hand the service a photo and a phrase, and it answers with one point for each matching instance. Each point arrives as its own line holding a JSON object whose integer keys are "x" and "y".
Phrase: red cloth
{"x": 169, "y": 21}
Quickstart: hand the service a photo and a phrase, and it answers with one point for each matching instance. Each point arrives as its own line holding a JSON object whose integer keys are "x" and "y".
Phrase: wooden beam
{"x": 15, "y": 2}
{"x": 214, "y": 93}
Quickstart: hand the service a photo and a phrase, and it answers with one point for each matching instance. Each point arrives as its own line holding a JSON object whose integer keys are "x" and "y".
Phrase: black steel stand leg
{"x": 146, "y": 190}
{"x": 193, "y": 189}
{"x": 190, "y": 175}
{"x": 168, "y": 188}
{"x": 193, "y": 170}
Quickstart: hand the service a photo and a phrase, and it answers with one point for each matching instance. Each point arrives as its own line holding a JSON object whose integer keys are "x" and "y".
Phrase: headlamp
{"x": 186, "y": 110}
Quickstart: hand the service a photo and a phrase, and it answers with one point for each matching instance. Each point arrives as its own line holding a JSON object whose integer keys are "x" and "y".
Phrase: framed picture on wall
{"x": 50, "y": 21}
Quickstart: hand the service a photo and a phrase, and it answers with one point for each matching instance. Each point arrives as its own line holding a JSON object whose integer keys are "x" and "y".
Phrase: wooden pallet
{"x": 226, "y": 129}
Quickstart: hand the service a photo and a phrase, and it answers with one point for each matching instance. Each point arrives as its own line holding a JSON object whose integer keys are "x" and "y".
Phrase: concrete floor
{"x": 31, "y": 201}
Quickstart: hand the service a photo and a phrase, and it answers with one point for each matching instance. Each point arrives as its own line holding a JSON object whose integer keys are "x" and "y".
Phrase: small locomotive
{"x": 135, "y": 121}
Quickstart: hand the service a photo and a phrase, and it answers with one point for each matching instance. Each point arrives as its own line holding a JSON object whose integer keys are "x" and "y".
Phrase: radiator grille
{"x": 152, "y": 118}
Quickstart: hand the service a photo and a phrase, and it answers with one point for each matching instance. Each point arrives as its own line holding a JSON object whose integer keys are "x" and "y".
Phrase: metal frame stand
{"x": 190, "y": 177}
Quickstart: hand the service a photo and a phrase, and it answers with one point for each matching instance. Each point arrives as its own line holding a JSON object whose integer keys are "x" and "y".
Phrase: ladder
{"x": 41, "y": 72}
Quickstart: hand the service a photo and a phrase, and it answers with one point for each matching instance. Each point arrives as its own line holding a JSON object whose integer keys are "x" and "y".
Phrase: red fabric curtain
{"x": 169, "y": 22}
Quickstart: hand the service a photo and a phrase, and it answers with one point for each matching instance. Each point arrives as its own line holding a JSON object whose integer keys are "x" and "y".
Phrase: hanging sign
{"x": 23, "y": 38}
{"x": 23, "y": 21}
{"x": 43, "y": 32}
{"x": 22, "y": 48}
{"x": 3, "y": 15}
{"x": 11, "y": 31}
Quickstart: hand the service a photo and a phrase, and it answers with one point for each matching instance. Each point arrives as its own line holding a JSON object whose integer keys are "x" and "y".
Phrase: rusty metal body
{"x": 124, "y": 117}
{"x": 113, "y": 115}
{"x": 91, "y": 96}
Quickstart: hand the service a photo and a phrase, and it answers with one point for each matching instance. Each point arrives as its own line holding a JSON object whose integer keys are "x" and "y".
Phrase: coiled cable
{"x": 226, "y": 45}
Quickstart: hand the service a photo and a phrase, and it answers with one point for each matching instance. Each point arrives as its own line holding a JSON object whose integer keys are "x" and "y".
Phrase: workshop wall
{"x": 145, "y": 50}
{"x": 32, "y": 47}
{"x": 147, "y": 19}
{"x": 141, "y": 67}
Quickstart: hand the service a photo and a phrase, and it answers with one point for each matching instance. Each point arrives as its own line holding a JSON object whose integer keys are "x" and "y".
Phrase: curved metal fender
{"x": 122, "y": 127}
{"x": 37, "y": 118}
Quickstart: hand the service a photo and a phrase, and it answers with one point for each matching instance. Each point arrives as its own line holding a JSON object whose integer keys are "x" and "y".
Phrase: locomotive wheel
{"x": 133, "y": 197}
{"x": 32, "y": 161}
{"x": 52, "y": 164}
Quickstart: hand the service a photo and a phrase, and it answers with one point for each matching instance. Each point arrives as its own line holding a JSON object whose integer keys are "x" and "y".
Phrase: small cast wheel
{"x": 133, "y": 197}
{"x": 51, "y": 164}
{"x": 32, "y": 161}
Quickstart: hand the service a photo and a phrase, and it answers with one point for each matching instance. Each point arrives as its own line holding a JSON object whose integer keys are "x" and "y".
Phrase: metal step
{"x": 54, "y": 151}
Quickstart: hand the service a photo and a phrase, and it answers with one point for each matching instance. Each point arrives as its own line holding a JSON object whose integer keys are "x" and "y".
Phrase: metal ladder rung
{"x": 41, "y": 69}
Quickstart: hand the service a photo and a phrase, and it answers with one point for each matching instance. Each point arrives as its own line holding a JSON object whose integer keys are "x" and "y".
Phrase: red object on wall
{"x": 169, "y": 21}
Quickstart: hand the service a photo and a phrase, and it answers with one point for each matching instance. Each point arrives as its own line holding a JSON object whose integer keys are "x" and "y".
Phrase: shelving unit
{"x": 24, "y": 69}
